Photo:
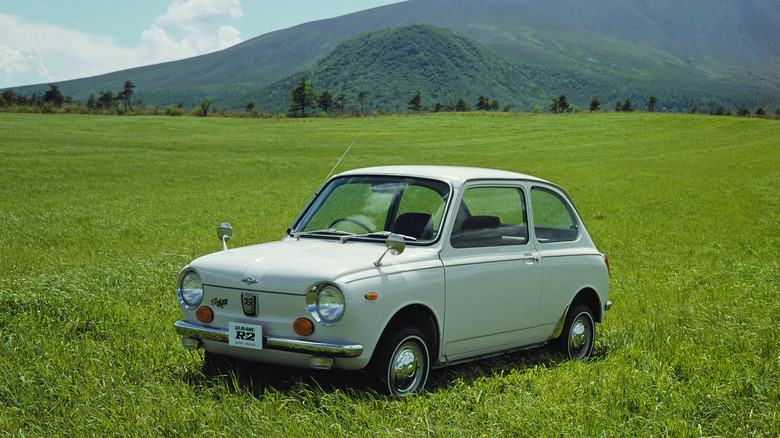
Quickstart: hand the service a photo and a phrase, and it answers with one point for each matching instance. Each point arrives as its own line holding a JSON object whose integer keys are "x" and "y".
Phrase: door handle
{"x": 528, "y": 257}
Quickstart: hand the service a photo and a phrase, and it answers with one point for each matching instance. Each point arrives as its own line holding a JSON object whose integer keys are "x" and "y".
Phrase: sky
{"x": 55, "y": 40}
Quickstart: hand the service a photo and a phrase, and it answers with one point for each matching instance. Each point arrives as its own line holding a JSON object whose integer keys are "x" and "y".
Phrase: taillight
{"x": 606, "y": 260}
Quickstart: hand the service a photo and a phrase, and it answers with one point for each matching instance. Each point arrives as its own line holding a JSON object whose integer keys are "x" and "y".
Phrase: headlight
{"x": 190, "y": 289}
{"x": 325, "y": 303}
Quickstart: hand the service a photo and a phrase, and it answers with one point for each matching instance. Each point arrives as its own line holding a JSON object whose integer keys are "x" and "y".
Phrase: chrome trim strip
{"x": 186, "y": 329}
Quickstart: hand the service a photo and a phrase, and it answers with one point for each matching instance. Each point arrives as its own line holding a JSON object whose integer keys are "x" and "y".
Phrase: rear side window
{"x": 490, "y": 216}
{"x": 553, "y": 219}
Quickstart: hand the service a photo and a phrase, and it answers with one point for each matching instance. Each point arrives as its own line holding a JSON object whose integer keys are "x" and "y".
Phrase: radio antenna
{"x": 347, "y": 151}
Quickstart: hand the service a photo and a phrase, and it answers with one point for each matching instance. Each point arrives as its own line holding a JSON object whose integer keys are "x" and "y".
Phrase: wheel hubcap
{"x": 580, "y": 338}
{"x": 405, "y": 372}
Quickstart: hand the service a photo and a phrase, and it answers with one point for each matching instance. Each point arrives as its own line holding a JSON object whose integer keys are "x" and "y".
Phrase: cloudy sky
{"x": 56, "y": 40}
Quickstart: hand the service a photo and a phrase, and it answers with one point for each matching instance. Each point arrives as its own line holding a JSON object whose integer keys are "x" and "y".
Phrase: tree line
{"x": 304, "y": 101}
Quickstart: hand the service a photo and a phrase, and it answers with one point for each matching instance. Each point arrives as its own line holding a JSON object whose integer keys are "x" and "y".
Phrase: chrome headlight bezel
{"x": 189, "y": 289}
{"x": 326, "y": 304}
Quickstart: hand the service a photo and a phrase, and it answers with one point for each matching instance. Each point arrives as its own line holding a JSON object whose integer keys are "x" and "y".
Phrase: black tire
{"x": 402, "y": 363}
{"x": 576, "y": 340}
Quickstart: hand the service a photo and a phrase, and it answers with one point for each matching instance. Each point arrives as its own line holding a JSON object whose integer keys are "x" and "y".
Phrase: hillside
{"x": 686, "y": 52}
{"x": 391, "y": 64}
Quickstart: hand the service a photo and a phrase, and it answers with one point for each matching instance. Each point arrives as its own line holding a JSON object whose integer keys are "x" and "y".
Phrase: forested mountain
{"x": 390, "y": 65}
{"x": 686, "y": 52}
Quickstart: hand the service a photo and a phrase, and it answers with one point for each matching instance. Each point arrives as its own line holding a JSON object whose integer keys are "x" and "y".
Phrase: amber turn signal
{"x": 204, "y": 314}
{"x": 303, "y": 327}
{"x": 372, "y": 296}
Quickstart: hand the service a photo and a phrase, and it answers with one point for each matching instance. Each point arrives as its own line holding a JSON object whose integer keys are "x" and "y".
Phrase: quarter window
{"x": 553, "y": 219}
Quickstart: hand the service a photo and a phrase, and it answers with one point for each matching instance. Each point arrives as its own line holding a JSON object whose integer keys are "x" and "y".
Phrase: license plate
{"x": 245, "y": 335}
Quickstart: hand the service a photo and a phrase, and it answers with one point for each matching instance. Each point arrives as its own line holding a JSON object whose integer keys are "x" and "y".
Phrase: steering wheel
{"x": 346, "y": 219}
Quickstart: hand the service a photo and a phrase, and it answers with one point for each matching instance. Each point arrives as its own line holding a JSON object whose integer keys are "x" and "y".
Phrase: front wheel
{"x": 403, "y": 363}
{"x": 576, "y": 341}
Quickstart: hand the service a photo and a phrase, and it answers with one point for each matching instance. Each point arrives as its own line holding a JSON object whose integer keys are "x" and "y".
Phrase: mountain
{"x": 686, "y": 52}
{"x": 391, "y": 64}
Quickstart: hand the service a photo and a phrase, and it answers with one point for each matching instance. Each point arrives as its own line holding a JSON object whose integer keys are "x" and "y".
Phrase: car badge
{"x": 249, "y": 280}
{"x": 221, "y": 303}
{"x": 249, "y": 303}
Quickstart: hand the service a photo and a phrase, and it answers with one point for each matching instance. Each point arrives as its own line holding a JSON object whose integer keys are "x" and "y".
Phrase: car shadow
{"x": 238, "y": 375}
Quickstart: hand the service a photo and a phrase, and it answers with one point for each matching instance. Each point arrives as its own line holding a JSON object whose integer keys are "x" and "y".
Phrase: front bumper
{"x": 197, "y": 332}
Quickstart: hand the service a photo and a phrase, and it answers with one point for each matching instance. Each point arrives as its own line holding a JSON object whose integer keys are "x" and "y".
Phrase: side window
{"x": 553, "y": 220}
{"x": 490, "y": 216}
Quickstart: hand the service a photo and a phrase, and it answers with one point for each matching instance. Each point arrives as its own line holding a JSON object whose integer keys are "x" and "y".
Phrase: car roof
{"x": 455, "y": 175}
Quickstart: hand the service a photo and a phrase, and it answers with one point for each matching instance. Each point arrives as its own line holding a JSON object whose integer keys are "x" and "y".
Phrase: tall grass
{"x": 99, "y": 214}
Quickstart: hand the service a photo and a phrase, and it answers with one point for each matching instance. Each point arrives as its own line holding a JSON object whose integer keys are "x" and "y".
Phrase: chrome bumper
{"x": 193, "y": 331}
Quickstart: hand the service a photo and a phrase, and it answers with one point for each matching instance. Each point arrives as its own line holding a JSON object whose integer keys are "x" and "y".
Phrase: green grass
{"x": 100, "y": 213}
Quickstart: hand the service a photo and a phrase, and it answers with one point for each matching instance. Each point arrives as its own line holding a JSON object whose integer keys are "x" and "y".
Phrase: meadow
{"x": 99, "y": 213}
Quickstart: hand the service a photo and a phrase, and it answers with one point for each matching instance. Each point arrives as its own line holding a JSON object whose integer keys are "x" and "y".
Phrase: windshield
{"x": 377, "y": 206}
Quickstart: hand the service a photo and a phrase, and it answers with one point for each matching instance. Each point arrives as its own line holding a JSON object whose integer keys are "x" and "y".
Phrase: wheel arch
{"x": 420, "y": 316}
{"x": 589, "y": 297}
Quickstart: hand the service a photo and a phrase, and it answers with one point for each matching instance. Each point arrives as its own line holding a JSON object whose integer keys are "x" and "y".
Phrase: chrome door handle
{"x": 529, "y": 257}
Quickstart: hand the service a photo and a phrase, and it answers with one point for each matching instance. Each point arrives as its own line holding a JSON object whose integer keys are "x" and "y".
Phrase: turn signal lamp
{"x": 204, "y": 314}
{"x": 303, "y": 326}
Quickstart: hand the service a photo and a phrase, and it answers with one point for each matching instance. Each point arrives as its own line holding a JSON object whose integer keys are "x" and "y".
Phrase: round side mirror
{"x": 395, "y": 244}
{"x": 225, "y": 233}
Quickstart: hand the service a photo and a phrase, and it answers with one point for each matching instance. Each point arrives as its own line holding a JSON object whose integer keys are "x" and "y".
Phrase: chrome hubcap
{"x": 580, "y": 337}
{"x": 405, "y": 368}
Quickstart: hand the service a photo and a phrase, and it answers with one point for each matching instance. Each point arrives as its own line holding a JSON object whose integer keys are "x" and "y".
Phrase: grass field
{"x": 100, "y": 213}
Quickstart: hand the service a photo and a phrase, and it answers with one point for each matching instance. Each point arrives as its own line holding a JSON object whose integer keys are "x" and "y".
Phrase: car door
{"x": 492, "y": 273}
{"x": 567, "y": 254}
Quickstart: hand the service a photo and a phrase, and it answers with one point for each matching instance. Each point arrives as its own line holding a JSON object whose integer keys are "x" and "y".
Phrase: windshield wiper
{"x": 374, "y": 234}
{"x": 327, "y": 231}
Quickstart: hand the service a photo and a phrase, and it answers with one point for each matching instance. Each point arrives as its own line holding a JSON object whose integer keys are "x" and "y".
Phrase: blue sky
{"x": 56, "y": 40}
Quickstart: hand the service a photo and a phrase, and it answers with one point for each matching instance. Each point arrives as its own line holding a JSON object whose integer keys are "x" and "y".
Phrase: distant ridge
{"x": 390, "y": 65}
{"x": 686, "y": 52}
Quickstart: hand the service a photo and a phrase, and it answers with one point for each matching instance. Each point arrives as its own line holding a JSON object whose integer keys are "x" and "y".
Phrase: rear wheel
{"x": 403, "y": 363}
{"x": 576, "y": 341}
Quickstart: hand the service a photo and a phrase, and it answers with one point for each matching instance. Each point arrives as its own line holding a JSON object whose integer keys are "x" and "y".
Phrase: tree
{"x": 595, "y": 105}
{"x": 652, "y": 101}
{"x": 627, "y": 107}
{"x": 761, "y": 112}
{"x": 126, "y": 94}
{"x": 415, "y": 102}
{"x": 54, "y": 96}
{"x": 303, "y": 96}
{"x": 106, "y": 100}
{"x": 494, "y": 105}
{"x": 8, "y": 97}
{"x": 694, "y": 110}
{"x": 362, "y": 99}
{"x": 559, "y": 105}
{"x": 251, "y": 107}
{"x": 483, "y": 103}
{"x": 438, "y": 107}
{"x": 462, "y": 106}
{"x": 341, "y": 102}
{"x": 720, "y": 111}
{"x": 743, "y": 111}
{"x": 325, "y": 101}
{"x": 202, "y": 109}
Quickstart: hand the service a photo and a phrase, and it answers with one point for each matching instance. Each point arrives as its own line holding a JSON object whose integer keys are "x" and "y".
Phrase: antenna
{"x": 347, "y": 151}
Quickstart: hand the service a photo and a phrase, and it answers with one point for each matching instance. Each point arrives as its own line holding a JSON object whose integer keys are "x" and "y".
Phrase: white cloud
{"x": 34, "y": 53}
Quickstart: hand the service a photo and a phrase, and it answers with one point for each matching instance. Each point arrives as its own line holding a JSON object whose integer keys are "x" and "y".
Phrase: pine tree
{"x": 303, "y": 96}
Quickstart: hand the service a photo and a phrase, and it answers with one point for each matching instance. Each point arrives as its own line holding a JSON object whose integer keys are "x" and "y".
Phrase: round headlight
{"x": 191, "y": 289}
{"x": 326, "y": 304}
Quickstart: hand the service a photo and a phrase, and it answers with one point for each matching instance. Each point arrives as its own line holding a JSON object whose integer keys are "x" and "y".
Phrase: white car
{"x": 480, "y": 262}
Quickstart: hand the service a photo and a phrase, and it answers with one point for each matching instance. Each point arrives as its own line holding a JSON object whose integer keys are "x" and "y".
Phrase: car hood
{"x": 293, "y": 266}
